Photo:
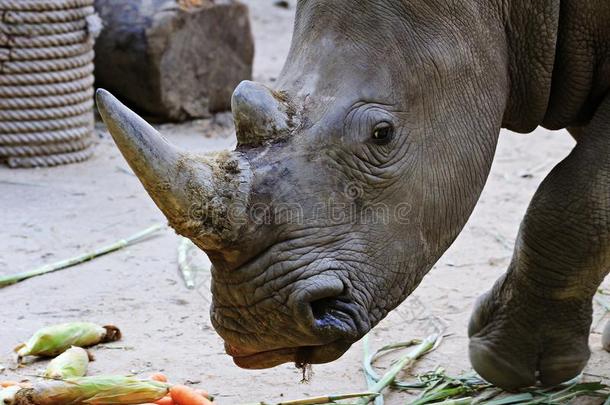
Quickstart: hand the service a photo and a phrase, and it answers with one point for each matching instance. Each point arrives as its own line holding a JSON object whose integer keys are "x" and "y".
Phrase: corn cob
{"x": 54, "y": 340}
{"x": 71, "y": 363}
{"x": 99, "y": 390}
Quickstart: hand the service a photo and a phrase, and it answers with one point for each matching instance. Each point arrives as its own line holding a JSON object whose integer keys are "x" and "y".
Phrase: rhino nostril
{"x": 322, "y": 308}
{"x": 336, "y": 314}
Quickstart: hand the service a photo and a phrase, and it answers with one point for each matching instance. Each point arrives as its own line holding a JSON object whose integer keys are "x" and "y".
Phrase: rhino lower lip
{"x": 266, "y": 359}
{"x": 298, "y": 355}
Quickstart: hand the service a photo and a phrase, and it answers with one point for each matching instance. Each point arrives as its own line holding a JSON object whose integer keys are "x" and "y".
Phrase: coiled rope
{"x": 35, "y": 17}
{"x": 43, "y": 5}
{"x": 51, "y": 40}
{"x": 64, "y": 135}
{"x": 46, "y": 113}
{"x": 44, "y": 149}
{"x": 27, "y": 103}
{"x": 46, "y": 82}
{"x": 43, "y": 29}
{"x": 50, "y": 65}
{"x": 50, "y": 160}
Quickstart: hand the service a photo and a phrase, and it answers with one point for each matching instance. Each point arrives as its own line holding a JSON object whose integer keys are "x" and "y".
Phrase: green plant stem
{"x": 63, "y": 264}
{"x": 487, "y": 395}
{"x": 185, "y": 267}
{"x": 321, "y": 400}
{"x": 441, "y": 394}
{"x": 424, "y": 347}
{"x": 369, "y": 357}
{"x": 459, "y": 401}
{"x": 367, "y": 363}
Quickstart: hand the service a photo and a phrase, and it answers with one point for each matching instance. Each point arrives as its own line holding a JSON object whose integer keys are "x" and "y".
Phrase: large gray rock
{"x": 173, "y": 60}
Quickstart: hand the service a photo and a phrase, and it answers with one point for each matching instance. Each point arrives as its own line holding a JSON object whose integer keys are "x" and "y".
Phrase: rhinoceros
{"x": 358, "y": 170}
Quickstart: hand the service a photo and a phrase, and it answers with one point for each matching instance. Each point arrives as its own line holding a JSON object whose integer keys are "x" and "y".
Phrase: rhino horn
{"x": 203, "y": 196}
{"x": 260, "y": 114}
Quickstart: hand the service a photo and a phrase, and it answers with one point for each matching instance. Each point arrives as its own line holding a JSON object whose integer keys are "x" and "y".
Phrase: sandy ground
{"x": 52, "y": 214}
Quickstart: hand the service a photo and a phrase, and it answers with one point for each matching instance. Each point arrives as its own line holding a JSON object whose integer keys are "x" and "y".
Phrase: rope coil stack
{"x": 46, "y": 81}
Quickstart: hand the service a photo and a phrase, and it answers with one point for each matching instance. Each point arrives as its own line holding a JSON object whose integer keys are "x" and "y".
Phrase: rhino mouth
{"x": 316, "y": 321}
{"x": 299, "y": 355}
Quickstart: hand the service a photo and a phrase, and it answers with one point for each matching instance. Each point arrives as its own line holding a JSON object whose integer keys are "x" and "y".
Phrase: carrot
{"x": 183, "y": 395}
{"x": 165, "y": 401}
{"x": 5, "y": 384}
{"x": 158, "y": 377}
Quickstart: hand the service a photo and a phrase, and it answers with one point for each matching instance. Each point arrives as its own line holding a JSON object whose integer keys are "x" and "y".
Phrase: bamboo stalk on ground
{"x": 328, "y": 399}
{"x": 63, "y": 264}
{"x": 370, "y": 382}
{"x": 406, "y": 361}
{"x": 184, "y": 264}
{"x": 459, "y": 401}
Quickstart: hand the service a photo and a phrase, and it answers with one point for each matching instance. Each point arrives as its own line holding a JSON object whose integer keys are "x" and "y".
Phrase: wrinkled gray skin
{"x": 354, "y": 176}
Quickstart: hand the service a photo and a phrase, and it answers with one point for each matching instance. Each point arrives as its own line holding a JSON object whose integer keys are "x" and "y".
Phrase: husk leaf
{"x": 70, "y": 364}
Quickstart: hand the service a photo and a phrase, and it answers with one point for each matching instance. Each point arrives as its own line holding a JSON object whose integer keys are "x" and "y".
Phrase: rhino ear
{"x": 153, "y": 159}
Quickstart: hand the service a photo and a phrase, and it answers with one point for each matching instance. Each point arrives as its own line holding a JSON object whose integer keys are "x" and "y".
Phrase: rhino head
{"x": 349, "y": 179}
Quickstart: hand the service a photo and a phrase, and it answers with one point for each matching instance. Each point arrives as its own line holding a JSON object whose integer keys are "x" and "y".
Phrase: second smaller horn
{"x": 261, "y": 114}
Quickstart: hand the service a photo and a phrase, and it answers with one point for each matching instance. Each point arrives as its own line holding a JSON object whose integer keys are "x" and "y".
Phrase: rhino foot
{"x": 518, "y": 337}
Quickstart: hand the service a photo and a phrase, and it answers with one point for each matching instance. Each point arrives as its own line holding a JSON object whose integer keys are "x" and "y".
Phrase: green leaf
{"x": 513, "y": 399}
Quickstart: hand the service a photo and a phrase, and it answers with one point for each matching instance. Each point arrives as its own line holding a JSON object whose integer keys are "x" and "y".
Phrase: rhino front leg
{"x": 535, "y": 322}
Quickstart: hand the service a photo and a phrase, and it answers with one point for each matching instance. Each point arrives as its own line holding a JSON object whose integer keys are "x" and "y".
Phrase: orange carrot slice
{"x": 158, "y": 377}
{"x": 165, "y": 401}
{"x": 183, "y": 395}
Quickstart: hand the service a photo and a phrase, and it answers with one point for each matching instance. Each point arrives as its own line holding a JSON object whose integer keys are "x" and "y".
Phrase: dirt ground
{"x": 51, "y": 214}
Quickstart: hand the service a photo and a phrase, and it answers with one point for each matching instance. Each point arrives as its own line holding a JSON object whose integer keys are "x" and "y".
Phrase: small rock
{"x": 282, "y": 4}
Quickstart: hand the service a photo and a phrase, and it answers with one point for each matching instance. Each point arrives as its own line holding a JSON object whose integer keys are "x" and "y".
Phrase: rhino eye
{"x": 383, "y": 133}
